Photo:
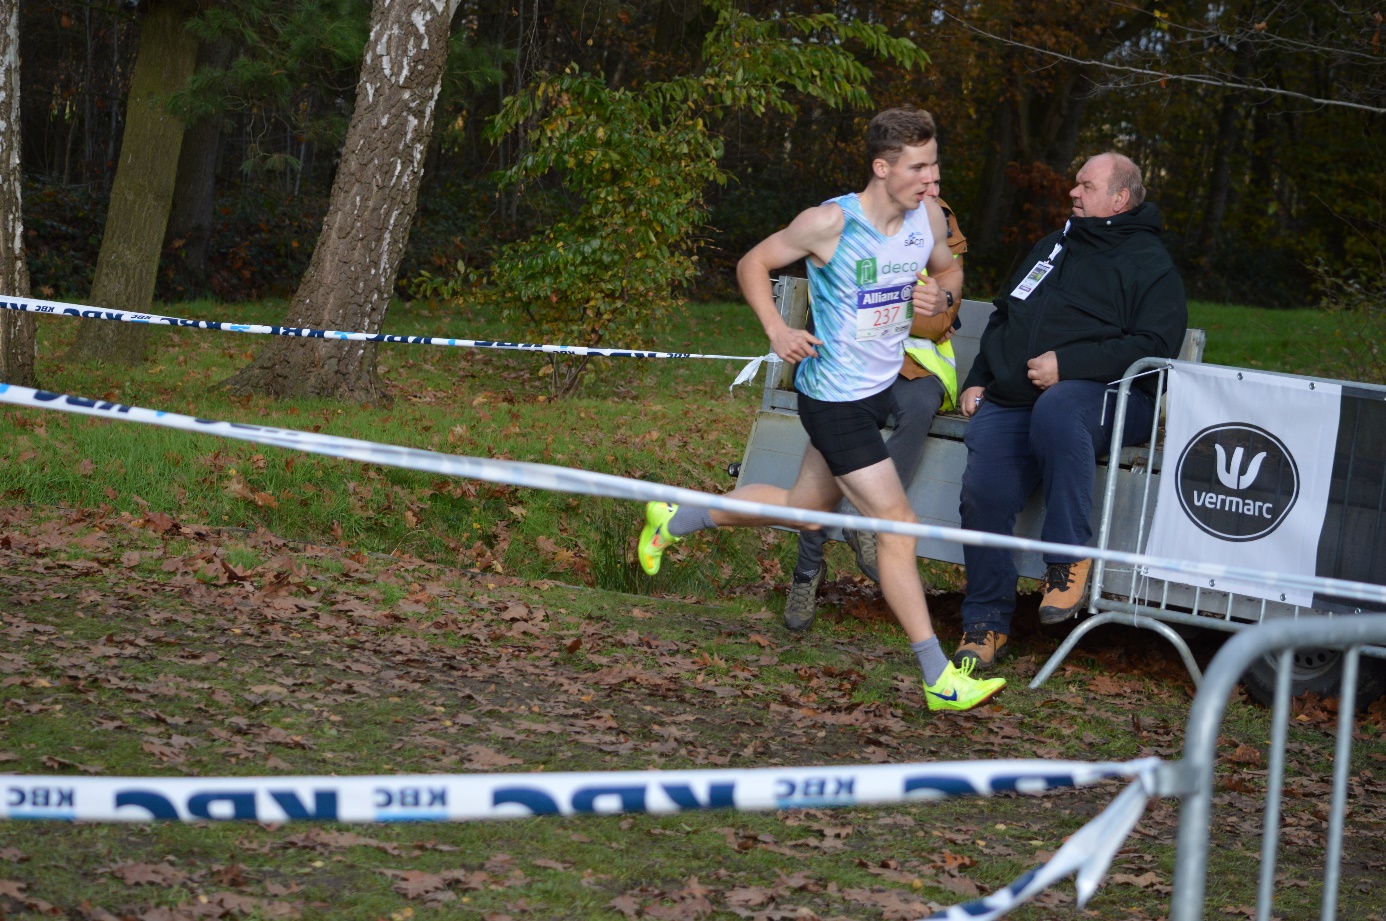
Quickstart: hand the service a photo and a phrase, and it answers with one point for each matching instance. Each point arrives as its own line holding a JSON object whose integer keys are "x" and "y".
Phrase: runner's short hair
{"x": 893, "y": 130}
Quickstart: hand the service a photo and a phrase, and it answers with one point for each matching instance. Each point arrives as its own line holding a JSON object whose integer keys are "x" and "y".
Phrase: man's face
{"x": 910, "y": 177}
{"x": 1090, "y": 195}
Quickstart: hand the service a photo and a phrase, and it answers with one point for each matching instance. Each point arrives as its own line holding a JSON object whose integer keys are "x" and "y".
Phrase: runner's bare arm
{"x": 813, "y": 234}
{"x": 945, "y": 274}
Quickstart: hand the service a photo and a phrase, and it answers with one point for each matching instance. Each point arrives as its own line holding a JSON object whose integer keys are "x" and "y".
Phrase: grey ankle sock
{"x": 932, "y": 662}
{"x": 690, "y": 518}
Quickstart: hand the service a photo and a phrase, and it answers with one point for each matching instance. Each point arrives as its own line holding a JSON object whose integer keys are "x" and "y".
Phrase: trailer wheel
{"x": 1317, "y": 670}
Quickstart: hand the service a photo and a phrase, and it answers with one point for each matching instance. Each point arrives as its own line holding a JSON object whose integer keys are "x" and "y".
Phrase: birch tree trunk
{"x": 374, "y": 196}
{"x": 17, "y": 337}
{"x": 128, "y": 264}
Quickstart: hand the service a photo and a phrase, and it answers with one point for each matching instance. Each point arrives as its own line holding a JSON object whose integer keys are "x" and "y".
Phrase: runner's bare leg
{"x": 877, "y": 493}
{"x": 814, "y": 488}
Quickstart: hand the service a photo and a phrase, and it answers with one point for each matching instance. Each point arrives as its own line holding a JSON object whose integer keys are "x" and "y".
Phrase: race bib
{"x": 1032, "y": 280}
{"x": 884, "y": 312}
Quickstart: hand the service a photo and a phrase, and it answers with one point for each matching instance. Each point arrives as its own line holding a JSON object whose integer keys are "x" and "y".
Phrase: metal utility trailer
{"x": 1124, "y": 501}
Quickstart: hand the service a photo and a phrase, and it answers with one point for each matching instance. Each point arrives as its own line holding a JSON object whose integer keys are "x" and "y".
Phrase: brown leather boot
{"x": 1065, "y": 587}
{"x": 984, "y": 646}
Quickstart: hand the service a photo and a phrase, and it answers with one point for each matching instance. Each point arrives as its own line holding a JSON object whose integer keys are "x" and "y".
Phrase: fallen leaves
{"x": 147, "y": 874}
{"x": 481, "y": 758}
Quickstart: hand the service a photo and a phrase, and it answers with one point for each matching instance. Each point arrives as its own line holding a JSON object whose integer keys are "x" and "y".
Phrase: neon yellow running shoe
{"x": 956, "y": 689}
{"x": 655, "y": 537}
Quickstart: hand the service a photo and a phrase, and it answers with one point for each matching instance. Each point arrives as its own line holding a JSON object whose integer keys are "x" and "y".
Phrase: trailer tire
{"x": 1317, "y": 670}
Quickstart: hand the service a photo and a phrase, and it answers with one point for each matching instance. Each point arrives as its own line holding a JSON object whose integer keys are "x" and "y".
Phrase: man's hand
{"x": 1044, "y": 370}
{"x": 970, "y": 400}
{"x": 794, "y": 344}
{"x": 928, "y": 297}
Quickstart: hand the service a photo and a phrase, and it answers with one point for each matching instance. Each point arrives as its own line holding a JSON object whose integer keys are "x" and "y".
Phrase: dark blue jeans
{"x": 1011, "y": 450}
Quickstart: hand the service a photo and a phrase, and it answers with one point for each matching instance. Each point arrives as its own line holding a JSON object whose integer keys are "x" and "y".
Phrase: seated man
{"x": 1089, "y": 300}
{"x": 867, "y": 254}
{"x": 928, "y": 383}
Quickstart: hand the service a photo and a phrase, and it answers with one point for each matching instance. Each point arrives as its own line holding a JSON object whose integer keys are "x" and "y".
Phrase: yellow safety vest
{"x": 938, "y": 359}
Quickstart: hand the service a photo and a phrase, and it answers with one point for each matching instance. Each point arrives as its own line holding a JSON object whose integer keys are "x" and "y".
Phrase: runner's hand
{"x": 794, "y": 344}
{"x": 928, "y": 297}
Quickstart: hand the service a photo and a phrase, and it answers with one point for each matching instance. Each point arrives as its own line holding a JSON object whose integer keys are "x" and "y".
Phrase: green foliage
{"x": 289, "y": 65}
{"x": 619, "y": 243}
{"x": 63, "y": 227}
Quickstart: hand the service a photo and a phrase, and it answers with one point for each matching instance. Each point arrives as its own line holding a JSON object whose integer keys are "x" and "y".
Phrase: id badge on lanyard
{"x": 1036, "y": 275}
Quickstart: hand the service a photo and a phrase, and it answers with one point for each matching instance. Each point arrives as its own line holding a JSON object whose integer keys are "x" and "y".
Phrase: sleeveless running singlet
{"x": 861, "y": 305}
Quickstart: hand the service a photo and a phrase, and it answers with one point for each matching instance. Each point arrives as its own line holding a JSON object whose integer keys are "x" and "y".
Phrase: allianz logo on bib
{"x": 1237, "y": 481}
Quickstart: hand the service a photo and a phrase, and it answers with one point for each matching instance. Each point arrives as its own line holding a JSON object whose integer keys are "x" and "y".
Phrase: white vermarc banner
{"x": 1246, "y": 477}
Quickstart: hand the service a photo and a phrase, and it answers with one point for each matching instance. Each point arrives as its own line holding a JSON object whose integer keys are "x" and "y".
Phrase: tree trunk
{"x": 352, "y": 274}
{"x": 189, "y": 228}
{"x": 681, "y": 26}
{"x": 1228, "y": 140}
{"x": 18, "y": 342}
{"x": 142, "y": 194}
{"x": 993, "y": 199}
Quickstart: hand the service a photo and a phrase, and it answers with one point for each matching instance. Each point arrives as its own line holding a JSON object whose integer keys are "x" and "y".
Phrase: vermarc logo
{"x": 1237, "y": 481}
{"x": 1230, "y": 475}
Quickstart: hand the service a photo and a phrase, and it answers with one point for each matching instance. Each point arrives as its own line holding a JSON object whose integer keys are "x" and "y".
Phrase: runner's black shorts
{"x": 848, "y": 434}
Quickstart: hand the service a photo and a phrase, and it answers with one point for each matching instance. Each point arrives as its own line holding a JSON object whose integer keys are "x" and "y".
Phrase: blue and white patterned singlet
{"x": 861, "y": 305}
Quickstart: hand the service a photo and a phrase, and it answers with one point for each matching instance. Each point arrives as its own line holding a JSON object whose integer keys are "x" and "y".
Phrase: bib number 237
{"x": 884, "y": 312}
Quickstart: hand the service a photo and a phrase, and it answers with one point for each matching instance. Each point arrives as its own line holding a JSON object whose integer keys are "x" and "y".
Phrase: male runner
{"x": 928, "y": 382}
{"x": 867, "y": 254}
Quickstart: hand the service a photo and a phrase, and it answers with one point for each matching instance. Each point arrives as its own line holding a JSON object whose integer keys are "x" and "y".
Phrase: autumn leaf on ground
{"x": 479, "y": 757}
{"x": 894, "y": 906}
{"x": 1109, "y": 686}
{"x": 748, "y": 896}
{"x": 415, "y": 884}
{"x": 1246, "y": 754}
{"x": 148, "y": 874}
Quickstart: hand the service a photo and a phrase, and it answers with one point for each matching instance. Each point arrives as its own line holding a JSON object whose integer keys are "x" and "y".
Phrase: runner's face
{"x": 910, "y": 177}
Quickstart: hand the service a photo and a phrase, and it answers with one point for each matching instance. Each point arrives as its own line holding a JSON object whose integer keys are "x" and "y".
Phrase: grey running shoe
{"x": 863, "y": 544}
{"x": 801, "y": 606}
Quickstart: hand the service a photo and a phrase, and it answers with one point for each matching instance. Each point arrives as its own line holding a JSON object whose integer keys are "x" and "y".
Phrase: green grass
{"x": 133, "y": 666}
{"x": 667, "y": 421}
{"x": 1296, "y": 341}
{"x": 409, "y": 620}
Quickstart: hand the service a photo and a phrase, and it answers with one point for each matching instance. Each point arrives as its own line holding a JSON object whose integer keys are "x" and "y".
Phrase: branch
{"x": 1202, "y": 79}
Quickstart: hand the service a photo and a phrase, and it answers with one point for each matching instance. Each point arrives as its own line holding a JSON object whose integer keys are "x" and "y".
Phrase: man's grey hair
{"x": 1125, "y": 175}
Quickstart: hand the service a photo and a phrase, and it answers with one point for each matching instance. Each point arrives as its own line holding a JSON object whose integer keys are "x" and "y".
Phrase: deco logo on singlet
{"x": 1237, "y": 481}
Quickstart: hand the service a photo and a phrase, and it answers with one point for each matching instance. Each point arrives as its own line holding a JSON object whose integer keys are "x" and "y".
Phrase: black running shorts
{"x": 848, "y": 435}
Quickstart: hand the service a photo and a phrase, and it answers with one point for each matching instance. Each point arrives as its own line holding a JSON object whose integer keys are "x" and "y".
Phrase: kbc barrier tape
{"x": 454, "y": 797}
{"x": 59, "y": 308}
{"x": 584, "y": 482}
{"x": 421, "y": 797}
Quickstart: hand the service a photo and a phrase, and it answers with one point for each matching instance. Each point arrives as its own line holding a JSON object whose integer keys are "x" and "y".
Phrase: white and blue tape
{"x": 583, "y": 482}
{"x": 466, "y": 797}
{"x": 61, "y": 309}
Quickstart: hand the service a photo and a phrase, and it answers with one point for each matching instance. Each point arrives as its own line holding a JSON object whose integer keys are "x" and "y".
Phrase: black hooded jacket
{"x": 1113, "y": 297}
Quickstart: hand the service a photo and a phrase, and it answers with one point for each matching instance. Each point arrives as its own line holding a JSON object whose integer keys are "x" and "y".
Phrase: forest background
{"x": 1257, "y": 125}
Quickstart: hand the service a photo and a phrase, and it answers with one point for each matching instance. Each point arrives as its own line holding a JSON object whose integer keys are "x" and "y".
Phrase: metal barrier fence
{"x": 1128, "y": 595}
{"x": 1192, "y": 778}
